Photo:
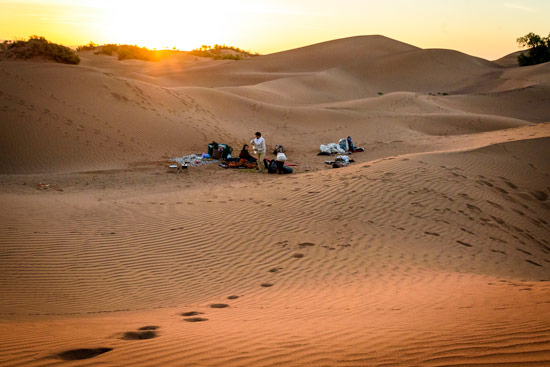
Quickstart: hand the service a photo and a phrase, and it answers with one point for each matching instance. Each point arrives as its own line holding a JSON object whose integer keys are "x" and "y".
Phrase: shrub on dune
{"x": 127, "y": 52}
{"x": 89, "y": 47}
{"x": 222, "y": 52}
{"x": 39, "y": 47}
{"x": 538, "y": 52}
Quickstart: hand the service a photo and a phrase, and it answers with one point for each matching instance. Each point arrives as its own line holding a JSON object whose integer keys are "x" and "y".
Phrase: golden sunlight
{"x": 182, "y": 25}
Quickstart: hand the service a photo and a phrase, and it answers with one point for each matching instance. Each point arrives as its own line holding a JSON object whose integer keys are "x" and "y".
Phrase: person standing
{"x": 259, "y": 142}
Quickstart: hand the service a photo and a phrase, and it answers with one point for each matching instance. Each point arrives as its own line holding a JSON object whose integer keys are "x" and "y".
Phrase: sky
{"x": 486, "y": 28}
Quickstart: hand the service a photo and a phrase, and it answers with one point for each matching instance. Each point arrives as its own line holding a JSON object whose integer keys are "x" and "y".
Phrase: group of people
{"x": 259, "y": 143}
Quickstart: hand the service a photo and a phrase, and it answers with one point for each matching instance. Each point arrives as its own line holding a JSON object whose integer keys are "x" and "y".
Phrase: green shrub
{"x": 228, "y": 57}
{"x": 215, "y": 52}
{"x": 89, "y": 47}
{"x": 539, "y": 49}
{"x": 107, "y": 49}
{"x": 40, "y": 47}
{"x": 126, "y": 52}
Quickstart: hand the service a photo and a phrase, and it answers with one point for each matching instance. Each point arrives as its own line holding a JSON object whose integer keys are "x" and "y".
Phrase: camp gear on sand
{"x": 345, "y": 145}
{"x": 351, "y": 147}
{"x": 272, "y": 167}
{"x": 175, "y": 168}
{"x": 193, "y": 160}
{"x": 219, "y": 151}
{"x": 341, "y": 161}
{"x": 211, "y": 147}
{"x": 332, "y": 148}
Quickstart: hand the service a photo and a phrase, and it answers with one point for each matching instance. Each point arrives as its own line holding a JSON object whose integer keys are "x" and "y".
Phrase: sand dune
{"x": 510, "y": 60}
{"x": 432, "y": 249}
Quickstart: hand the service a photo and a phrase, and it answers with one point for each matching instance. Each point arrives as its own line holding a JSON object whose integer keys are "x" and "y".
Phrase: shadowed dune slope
{"x": 510, "y": 60}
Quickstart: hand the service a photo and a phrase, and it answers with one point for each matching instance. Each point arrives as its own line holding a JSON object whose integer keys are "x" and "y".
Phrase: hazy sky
{"x": 485, "y": 28}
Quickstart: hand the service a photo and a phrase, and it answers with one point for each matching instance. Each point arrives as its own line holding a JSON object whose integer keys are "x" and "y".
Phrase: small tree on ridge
{"x": 539, "y": 49}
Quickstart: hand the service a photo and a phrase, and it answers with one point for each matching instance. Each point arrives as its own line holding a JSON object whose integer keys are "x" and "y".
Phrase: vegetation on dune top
{"x": 126, "y": 52}
{"x": 38, "y": 47}
{"x": 222, "y": 52}
{"x": 89, "y": 47}
{"x": 538, "y": 52}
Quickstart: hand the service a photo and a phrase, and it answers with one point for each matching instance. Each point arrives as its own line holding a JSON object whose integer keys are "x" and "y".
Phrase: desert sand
{"x": 432, "y": 249}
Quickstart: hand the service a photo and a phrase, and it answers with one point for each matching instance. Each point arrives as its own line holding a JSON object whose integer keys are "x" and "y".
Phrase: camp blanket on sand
{"x": 332, "y": 148}
{"x": 194, "y": 160}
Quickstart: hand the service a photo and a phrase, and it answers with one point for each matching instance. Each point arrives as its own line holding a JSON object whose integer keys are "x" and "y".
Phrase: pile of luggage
{"x": 344, "y": 146}
{"x": 219, "y": 151}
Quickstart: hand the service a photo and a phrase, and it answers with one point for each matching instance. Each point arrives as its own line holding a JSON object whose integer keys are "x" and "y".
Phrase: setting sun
{"x": 181, "y": 25}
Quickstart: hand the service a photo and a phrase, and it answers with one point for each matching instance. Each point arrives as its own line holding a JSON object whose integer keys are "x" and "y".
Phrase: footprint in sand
{"x": 495, "y": 205}
{"x": 195, "y": 319}
{"x": 298, "y": 255}
{"x": 539, "y": 195}
{"x": 191, "y": 313}
{"x": 149, "y": 327}
{"x": 510, "y": 184}
{"x": 219, "y": 305}
{"x": 139, "y": 335}
{"x": 465, "y": 230}
{"x": 144, "y": 332}
{"x": 275, "y": 270}
{"x": 432, "y": 233}
{"x": 523, "y": 251}
{"x": 533, "y": 263}
{"x": 306, "y": 244}
{"x": 464, "y": 243}
{"x": 473, "y": 208}
{"x": 232, "y": 297}
{"x": 266, "y": 285}
{"x": 78, "y": 354}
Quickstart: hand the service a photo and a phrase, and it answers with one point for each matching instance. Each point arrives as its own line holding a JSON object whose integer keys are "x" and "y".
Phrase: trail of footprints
{"x": 150, "y": 331}
{"x": 526, "y": 197}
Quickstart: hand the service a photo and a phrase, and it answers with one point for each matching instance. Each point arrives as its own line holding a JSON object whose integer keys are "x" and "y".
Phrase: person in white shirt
{"x": 259, "y": 142}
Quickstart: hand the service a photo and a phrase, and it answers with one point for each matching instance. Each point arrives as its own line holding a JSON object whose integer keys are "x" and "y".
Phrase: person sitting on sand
{"x": 259, "y": 142}
{"x": 245, "y": 154}
{"x": 280, "y": 162}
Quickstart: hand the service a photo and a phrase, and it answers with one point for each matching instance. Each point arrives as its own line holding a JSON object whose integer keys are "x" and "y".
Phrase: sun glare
{"x": 184, "y": 26}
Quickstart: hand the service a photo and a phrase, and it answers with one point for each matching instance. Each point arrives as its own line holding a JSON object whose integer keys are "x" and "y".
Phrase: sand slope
{"x": 432, "y": 249}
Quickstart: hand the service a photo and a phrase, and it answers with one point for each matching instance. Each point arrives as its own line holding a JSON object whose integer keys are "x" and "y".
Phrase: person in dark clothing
{"x": 351, "y": 147}
{"x": 245, "y": 154}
